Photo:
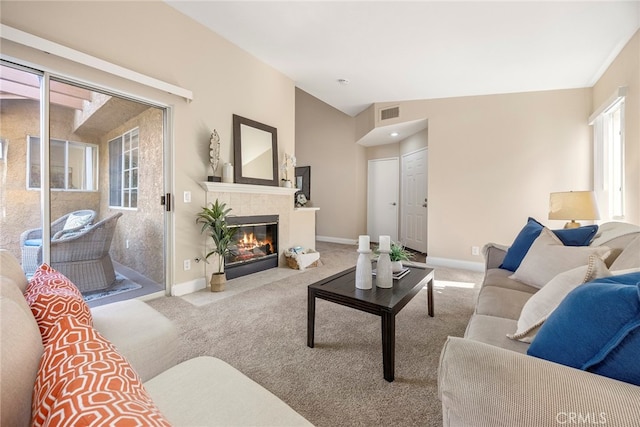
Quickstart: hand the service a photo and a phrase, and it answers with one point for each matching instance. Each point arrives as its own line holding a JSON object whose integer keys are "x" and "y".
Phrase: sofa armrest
{"x": 494, "y": 254}
{"x": 483, "y": 385}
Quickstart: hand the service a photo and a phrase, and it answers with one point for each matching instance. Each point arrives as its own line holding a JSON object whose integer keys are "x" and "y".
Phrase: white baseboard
{"x": 189, "y": 287}
{"x": 338, "y": 240}
{"x": 455, "y": 263}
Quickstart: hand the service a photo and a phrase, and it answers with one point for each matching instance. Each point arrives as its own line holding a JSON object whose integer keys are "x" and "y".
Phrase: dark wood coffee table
{"x": 386, "y": 303}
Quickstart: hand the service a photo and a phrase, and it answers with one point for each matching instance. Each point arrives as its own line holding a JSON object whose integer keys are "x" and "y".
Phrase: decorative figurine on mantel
{"x": 289, "y": 161}
{"x": 214, "y": 156}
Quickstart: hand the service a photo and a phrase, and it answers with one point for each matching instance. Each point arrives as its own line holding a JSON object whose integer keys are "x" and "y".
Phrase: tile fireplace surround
{"x": 246, "y": 200}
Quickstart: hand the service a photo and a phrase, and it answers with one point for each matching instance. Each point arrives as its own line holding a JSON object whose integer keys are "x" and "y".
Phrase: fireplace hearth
{"x": 255, "y": 245}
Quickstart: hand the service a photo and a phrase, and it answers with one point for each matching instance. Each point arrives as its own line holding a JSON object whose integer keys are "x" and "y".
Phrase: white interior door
{"x": 382, "y": 198}
{"x": 414, "y": 200}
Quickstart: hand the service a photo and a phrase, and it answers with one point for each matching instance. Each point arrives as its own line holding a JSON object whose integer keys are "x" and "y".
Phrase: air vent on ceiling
{"x": 389, "y": 113}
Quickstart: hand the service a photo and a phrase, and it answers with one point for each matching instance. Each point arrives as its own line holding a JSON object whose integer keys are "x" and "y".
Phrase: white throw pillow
{"x": 547, "y": 257}
{"x": 75, "y": 221}
{"x": 542, "y": 303}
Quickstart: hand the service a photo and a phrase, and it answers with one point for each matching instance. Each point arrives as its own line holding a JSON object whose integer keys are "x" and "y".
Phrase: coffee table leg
{"x": 388, "y": 345}
{"x": 311, "y": 316}
{"x": 430, "y": 296}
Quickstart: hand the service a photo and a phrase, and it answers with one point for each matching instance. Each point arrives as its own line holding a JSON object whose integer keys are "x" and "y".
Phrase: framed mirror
{"x": 255, "y": 152}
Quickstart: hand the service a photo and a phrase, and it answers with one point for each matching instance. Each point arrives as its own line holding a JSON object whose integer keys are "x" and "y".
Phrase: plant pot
{"x": 396, "y": 266}
{"x": 217, "y": 282}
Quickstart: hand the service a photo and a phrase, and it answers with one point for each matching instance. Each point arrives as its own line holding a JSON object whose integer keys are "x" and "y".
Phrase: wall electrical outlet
{"x": 187, "y": 264}
{"x": 187, "y": 196}
{"x": 475, "y": 250}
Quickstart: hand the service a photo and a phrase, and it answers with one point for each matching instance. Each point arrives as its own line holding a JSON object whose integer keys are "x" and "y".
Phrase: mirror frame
{"x": 237, "y": 151}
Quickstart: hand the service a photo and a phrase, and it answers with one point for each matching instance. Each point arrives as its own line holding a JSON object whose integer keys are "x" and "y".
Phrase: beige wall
{"x": 625, "y": 71}
{"x": 156, "y": 40}
{"x": 325, "y": 141}
{"x": 493, "y": 160}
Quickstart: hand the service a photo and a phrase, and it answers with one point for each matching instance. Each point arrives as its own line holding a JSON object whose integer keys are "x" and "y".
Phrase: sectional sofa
{"x": 488, "y": 379}
{"x": 65, "y": 364}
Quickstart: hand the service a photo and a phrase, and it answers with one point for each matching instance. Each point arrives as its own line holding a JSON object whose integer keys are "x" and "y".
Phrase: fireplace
{"x": 254, "y": 246}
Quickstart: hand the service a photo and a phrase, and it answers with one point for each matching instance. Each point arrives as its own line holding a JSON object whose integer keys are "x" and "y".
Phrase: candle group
{"x": 385, "y": 243}
{"x": 363, "y": 243}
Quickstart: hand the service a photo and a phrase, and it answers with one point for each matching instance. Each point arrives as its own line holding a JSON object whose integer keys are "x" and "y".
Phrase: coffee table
{"x": 386, "y": 303}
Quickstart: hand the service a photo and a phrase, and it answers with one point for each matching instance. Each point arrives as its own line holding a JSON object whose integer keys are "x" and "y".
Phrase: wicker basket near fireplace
{"x": 299, "y": 259}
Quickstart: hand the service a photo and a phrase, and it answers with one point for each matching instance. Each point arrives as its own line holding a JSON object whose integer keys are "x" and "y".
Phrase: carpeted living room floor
{"x": 262, "y": 332}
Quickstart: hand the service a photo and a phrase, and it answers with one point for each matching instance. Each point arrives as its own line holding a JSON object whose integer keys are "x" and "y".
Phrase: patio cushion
{"x": 33, "y": 242}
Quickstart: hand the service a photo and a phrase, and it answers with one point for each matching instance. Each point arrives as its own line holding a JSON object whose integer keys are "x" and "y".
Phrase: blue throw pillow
{"x": 580, "y": 236}
{"x": 596, "y": 328}
{"x": 521, "y": 245}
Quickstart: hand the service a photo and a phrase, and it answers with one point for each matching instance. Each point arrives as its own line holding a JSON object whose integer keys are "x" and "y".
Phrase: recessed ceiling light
{"x": 394, "y": 134}
{"x": 344, "y": 81}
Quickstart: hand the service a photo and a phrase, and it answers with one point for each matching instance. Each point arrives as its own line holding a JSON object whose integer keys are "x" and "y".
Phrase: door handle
{"x": 393, "y": 203}
{"x": 424, "y": 205}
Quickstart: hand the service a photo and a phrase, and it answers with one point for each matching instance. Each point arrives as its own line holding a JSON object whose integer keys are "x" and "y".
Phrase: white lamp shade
{"x": 573, "y": 205}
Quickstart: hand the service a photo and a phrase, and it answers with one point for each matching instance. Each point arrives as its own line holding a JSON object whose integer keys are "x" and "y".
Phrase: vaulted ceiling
{"x": 405, "y": 50}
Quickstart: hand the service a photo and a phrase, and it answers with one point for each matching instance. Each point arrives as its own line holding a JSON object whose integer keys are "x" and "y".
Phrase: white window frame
{"x": 608, "y": 155}
{"x": 127, "y": 170}
{"x": 90, "y": 167}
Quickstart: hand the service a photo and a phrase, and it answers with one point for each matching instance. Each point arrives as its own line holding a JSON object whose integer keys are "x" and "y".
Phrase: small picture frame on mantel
{"x": 303, "y": 180}
{"x": 214, "y": 178}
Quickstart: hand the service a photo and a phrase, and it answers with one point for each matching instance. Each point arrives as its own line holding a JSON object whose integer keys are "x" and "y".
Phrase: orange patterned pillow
{"x": 83, "y": 381}
{"x": 51, "y": 296}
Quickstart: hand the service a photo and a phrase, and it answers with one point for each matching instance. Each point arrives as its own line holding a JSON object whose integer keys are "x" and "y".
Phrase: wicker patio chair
{"x": 31, "y": 240}
{"x": 84, "y": 257}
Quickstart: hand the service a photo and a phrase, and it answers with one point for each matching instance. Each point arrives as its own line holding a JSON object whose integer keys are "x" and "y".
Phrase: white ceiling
{"x": 397, "y": 51}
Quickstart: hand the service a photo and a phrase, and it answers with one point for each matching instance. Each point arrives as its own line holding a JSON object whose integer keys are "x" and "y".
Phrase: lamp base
{"x": 572, "y": 224}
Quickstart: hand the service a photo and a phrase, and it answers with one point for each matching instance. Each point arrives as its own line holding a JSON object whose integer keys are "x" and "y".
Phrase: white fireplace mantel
{"x": 224, "y": 187}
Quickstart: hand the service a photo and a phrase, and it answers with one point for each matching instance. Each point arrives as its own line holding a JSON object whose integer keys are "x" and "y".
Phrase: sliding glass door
{"x": 88, "y": 165}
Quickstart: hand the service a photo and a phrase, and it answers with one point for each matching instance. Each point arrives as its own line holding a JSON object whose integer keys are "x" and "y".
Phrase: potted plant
{"x": 214, "y": 222}
{"x": 398, "y": 253}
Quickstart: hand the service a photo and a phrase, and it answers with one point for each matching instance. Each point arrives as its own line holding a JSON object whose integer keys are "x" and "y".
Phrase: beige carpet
{"x": 262, "y": 332}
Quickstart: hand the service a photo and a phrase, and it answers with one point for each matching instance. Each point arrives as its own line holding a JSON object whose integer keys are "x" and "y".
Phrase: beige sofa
{"x": 487, "y": 379}
{"x": 204, "y": 391}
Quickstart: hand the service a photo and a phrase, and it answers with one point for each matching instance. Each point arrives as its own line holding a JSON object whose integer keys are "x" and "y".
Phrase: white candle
{"x": 385, "y": 243}
{"x": 363, "y": 243}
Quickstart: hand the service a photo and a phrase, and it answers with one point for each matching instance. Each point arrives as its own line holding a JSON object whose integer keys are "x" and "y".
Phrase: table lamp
{"x": 573, "y": 205}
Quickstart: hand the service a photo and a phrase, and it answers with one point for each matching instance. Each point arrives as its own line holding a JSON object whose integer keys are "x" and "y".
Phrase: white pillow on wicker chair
{"x": 76, "y": 221}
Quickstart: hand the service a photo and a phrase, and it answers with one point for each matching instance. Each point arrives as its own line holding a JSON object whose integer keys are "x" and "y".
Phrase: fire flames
{"x": 248, "y": 247}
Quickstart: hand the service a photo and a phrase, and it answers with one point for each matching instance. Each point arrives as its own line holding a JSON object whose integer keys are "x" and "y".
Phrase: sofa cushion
{"x": 548, "y": 257}
{"x": 493, "y": 330}
{"x": 500, "y": 278}
{"x": 596, "y": 328}
{"x": 629, "y": 258}
{"x": 542, "y": 303}
{"x": 84, "y": 381}
{"x": 209, "y": 389}
{"x": 145, "y": 337}
{"x": 52, "y": 296}
{"x": 501, "y": 302}
{"x": 11, "y": 269}
{"x": 580, "y": 236}
{"x": 20, "y": 354}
